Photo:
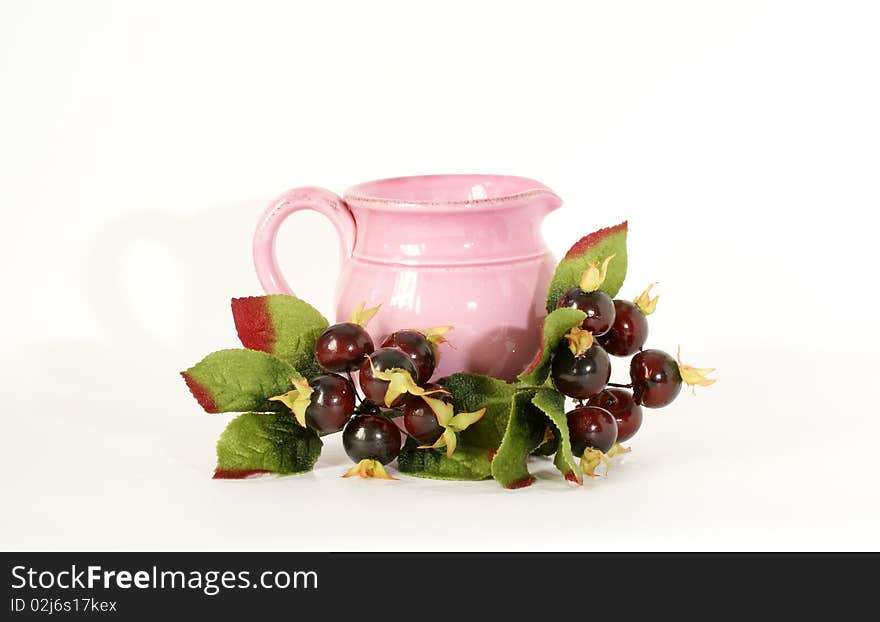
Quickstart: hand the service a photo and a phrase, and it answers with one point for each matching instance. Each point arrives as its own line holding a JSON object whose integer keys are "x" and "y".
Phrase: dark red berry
{"x": 372, "y": 437}
{"x": 343, "y": 347}
{"x": 419, "y": 350}
{"x": 580, "y": 376}
{"x": 332, "y": 403}
{"x": 597, "y": 305}
{"x": 622, "y": 406}
{"x": 629, "y": 332}
{"x": 383, "y": 359}
{"x": 591, "y": 426}
{"x": 418, "y": 418}
{"x": 655, "y": 377}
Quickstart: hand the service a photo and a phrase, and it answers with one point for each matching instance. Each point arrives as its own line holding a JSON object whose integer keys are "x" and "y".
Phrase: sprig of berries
{"x": 581, "y": 368}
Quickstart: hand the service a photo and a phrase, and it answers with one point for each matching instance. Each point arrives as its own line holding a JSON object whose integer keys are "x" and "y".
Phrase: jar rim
{"x": 453, "y": 191}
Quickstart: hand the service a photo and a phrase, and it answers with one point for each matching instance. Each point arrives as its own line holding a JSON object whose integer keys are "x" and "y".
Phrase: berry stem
{"x": 366, "y": 407}
{"x": 357, "y": 393}
{"x": 411, "y": 437}
{"x": 620, "y": 386}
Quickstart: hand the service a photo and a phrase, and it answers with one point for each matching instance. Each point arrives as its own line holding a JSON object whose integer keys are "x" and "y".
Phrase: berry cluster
{"x": 605, "y": 414}
{"x": 394, "y": 381}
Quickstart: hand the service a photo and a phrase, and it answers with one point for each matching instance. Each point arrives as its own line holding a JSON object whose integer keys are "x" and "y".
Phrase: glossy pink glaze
{"x": 460, "y": 250}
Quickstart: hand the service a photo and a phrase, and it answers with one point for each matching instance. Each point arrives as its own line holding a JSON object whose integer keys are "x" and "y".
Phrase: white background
{"x": 139, "y": 142}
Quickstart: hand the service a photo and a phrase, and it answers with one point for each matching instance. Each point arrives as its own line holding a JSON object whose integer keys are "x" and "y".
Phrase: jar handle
{"x": 317, "y": 199}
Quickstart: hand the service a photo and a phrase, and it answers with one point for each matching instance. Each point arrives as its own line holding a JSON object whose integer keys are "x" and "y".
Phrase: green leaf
{"x": 281, "y": 325}
{"x": 525, "y": 431}
{"x": 266, "y": 442}
{"x": 239, "y": 380}
{"x": 471, "y": 392}
{"x": 594, "y": 247}
{"x": 547, "y": 447}
{"x": 552, "y": 404}
{"x": 556, "y": 324}
{"x": 467, "y": 463}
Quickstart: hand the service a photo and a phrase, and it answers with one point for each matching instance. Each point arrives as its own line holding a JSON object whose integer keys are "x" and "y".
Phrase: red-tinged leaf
{"x": 552, "y": 404}
{"x": 254, "y": 323}
{"x": 525, "y": 431}
{"x": 268, "y": 443}
{"x": 281, "y": 325}
{"x": 237, "y": 474}
{"x": 587, "y": 242}
{"x": 239, "y": 380}
{"x": 201, "y": 393}
{"x": 521, "y": 483}
{"x": 572, "y": 476}
{"x": 595, "y": 247}
{"x": 466, "y": 464}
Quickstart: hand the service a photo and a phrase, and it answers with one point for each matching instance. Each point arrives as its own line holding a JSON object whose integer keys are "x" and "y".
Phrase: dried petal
{"x": 645, "y": 303}
{"x": 448, "y": 439}
{"x": 591, "y": 460}
{"x": 451, "y": 441}
{"x": 399, "y": 382}
{"x": 442, "y": 410}
{"x": 450, "y": 423}
{"x": 368, "y": 469}
{"x": 594, "y": 276}
{"x": 618, "y": 449}
{"x": 579, "y": 340}
{"x": 695, "y": 376}
{"x": 297, "y": 400}
{"x": 436, "y": 336}
{"x": 462, "y": 420}
{"x": 438, "y": 444}
{"x": 362, "y": 316}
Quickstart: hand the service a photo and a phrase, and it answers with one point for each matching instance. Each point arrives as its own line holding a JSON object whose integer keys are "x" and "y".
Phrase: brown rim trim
{"x": 486, "y": 201}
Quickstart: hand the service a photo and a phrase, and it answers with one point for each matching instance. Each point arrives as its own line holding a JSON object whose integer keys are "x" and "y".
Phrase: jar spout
{"x": 546, "y": 201}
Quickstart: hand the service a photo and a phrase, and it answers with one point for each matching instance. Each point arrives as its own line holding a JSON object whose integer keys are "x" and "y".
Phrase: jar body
{"x": 496, "y": 309}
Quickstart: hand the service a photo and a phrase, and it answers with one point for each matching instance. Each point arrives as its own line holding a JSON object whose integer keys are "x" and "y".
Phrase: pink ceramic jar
{"x": 460, "y": 250}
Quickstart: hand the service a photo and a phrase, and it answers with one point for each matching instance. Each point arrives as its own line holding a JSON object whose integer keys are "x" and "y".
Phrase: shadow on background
{"x": 123, "y": 384}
